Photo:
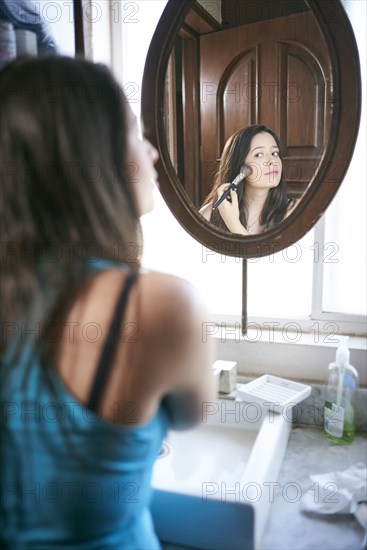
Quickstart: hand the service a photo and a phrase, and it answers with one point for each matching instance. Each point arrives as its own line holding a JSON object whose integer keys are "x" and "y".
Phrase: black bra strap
{"x": 105, "y": 361}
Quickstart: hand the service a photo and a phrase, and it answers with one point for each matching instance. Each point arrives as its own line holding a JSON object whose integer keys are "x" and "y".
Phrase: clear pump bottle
{"x": 340, "y": 399}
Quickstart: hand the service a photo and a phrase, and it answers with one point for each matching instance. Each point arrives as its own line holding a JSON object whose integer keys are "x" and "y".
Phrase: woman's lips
{"x": 272, "y": 173}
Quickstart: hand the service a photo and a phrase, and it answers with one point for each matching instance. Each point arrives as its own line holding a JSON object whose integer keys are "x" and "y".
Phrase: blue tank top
{"x": 71, "y": 479}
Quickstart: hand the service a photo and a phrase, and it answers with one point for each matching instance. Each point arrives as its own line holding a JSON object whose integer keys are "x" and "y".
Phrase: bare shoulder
{"x": 166, "y": 298}
{"x": 206, "y": 212}
{"x": 160, "y": 342}
{"x": 172, "y": 316}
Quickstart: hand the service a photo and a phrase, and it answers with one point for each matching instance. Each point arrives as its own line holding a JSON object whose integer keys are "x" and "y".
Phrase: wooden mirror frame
{"x": 345, "y": 118}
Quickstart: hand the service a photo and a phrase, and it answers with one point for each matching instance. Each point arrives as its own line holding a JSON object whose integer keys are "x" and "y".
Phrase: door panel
{"x": 275, "y": 73}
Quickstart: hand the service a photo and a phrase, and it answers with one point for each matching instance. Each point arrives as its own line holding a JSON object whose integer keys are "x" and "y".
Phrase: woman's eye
{"x": 258, "y": 155}
{"x": 276, "y": 153}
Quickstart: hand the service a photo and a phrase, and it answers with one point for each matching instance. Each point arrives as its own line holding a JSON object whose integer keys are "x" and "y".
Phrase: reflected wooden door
{"x": 275, "y": 73}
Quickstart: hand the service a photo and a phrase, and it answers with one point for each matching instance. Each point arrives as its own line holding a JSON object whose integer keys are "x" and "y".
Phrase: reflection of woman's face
{"x": 264, "y": 159}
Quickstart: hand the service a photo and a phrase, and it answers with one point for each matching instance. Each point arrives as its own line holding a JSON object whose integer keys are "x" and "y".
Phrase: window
{"x": 318, "y": 283}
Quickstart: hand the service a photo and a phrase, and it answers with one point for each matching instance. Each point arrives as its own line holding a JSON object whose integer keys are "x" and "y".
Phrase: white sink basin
{"x": 214, "y": 484}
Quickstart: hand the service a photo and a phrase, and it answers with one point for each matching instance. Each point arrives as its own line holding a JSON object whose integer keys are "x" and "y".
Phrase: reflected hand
{"x": 229, "y": 209}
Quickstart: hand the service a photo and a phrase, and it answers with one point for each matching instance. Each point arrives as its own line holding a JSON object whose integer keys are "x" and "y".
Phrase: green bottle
{"x": 340, "y": 399}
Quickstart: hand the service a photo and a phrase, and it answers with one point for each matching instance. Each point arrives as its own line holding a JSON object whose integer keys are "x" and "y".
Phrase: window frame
{"x": 275, "y": 353}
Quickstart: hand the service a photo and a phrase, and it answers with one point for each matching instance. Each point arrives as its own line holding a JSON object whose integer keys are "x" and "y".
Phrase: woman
{"x": 260, "y": 200}
{"x": 98, "y": 360}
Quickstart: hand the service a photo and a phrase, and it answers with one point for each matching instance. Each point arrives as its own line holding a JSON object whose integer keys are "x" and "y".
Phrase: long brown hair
{"x": 234, "y": 153}
{"x": 66, "y": 198}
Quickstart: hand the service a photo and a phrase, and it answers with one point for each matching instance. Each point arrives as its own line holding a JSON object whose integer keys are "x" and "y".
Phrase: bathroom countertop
{"x": 309, "y": 452}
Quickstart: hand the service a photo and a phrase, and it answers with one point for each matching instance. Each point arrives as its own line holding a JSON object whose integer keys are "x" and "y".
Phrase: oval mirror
{"x": 293, "y": 67}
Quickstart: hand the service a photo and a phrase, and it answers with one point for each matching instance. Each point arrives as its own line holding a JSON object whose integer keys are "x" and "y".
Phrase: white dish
{"x": 273, "y": 392}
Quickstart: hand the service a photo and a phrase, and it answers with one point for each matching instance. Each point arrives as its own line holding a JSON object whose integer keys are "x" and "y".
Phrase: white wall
{"x": 213, "y": 7}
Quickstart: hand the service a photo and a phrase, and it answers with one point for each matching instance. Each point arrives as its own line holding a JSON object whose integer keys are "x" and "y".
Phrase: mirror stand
{"x": 244, "y": 298}
{"x": 79, "y": 28}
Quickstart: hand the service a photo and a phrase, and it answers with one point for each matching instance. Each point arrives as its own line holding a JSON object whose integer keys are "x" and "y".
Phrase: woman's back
{"x": 70, "y": 478}
{"x": 78, "y": 480}
{"x": 97, "y": 358}
{"x": 81, "y": 478}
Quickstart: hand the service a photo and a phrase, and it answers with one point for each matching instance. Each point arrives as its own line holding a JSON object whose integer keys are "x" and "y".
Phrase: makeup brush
{"x": 244, "y": 172}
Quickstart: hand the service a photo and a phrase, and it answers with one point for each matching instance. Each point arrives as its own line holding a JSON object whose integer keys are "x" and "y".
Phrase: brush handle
{"x": 245, "y": 171}
{"x": 225, "y": 195}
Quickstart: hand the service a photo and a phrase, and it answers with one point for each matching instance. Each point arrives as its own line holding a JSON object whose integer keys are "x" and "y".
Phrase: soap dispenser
{"x": 341, "y": 397}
